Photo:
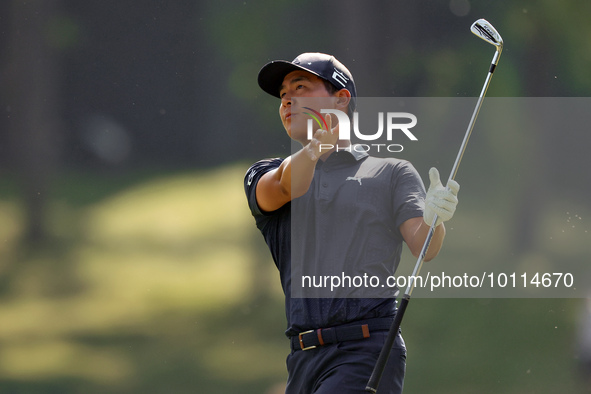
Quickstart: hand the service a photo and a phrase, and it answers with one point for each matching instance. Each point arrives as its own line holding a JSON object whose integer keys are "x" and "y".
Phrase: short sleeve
{"x": 408, "y": 194}
{"x": 254, "y": 173}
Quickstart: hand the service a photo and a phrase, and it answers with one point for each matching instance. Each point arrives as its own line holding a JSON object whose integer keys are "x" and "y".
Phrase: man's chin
{"x": 299, "y": 137}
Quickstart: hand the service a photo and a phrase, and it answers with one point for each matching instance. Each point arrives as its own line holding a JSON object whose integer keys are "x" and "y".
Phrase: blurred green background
{"x": 129, "y": 262}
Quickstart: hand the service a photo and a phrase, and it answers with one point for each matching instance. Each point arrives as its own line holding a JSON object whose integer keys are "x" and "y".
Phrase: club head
{"x": 483, "y": 29}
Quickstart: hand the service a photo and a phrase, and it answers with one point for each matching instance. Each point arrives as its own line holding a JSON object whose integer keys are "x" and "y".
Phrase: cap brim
{"x": 272, "y": 74}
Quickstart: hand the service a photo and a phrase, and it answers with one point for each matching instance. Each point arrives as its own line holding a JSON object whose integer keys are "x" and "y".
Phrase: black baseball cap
{"x": 322, "y": 65}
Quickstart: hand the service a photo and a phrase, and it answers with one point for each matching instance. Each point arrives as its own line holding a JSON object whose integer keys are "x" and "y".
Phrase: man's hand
{"x": 321, "y": 139}
{"x": 440, "y": 201}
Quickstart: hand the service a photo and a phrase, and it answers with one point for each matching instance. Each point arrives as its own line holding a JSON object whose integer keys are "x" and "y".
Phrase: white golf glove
{"x": 440, "y": 201}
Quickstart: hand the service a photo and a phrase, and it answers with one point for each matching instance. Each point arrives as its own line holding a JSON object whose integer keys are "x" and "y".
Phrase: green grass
{"x": 162, "y": 284}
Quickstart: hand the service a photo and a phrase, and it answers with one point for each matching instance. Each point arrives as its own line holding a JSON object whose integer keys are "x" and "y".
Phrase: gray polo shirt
{"x": 346, "y": 225}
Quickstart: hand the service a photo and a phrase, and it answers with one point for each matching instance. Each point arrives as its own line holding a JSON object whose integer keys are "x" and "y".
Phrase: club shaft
{"x": 374, "y": 380}
{"x": 376, "y": 376}
{"x": 454, "y": 171}
{"x": 456, "y": 165}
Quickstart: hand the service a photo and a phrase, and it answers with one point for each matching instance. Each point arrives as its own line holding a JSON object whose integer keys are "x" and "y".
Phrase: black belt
{"x": 325, "y": 336}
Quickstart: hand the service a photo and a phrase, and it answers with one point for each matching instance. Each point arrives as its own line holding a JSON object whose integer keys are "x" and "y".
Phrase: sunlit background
{"x": 129, "y": 262}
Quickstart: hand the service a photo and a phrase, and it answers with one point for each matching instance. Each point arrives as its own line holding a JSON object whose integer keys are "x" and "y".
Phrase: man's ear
{"x": 343, "y": 98}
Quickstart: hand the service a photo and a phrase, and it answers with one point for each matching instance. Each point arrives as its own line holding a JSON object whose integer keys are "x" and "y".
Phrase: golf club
{"x": 488, "y": 33}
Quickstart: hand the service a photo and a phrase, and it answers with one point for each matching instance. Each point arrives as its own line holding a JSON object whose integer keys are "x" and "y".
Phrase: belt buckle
{"x": 302, "y": 341}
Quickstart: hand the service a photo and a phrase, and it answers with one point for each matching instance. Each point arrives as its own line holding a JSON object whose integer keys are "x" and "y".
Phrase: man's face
{"x": 302, "y": 89}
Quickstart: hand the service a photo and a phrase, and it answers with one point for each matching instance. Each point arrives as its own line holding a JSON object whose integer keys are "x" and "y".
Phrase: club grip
{"x": 378, "y": 370}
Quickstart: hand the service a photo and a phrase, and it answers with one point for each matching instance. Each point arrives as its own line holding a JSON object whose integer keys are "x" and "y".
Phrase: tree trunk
{"x": 33, "y": 105}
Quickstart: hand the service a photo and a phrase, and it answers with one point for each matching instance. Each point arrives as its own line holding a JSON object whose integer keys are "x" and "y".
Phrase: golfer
{"x": 353, "y": 211}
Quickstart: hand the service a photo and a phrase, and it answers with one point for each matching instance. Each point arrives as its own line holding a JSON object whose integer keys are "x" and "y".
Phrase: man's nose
{"x": 286, "y": 99}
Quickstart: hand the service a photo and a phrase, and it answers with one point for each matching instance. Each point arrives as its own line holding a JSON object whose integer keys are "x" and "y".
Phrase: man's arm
{"x": 440, "y": 201}
{"x": 293, "y": 177}
{"x": 415, "y": 230}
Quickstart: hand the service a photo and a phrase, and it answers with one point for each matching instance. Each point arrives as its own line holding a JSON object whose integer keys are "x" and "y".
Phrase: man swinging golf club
{"x": 335, "y": 342}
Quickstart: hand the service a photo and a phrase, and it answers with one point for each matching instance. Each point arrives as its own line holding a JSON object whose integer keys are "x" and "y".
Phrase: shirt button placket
{"x": 324, "y": 184}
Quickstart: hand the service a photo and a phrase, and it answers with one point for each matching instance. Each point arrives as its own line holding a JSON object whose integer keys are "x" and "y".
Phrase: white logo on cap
{"x": 340, "y": 77}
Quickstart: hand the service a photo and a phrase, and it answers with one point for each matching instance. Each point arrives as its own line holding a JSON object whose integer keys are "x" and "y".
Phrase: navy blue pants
{"x": 345, "y": 367}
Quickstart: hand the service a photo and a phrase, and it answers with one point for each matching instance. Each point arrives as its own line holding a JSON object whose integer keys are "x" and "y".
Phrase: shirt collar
{"x": 344, "y": 156}
{"x": 357, "y": 154}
